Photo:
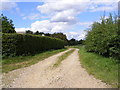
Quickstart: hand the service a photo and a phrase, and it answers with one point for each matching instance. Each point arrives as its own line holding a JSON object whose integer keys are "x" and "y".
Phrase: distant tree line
{"x": 75, "y": 42}
{"x": 8, "y": 27}
{"x": 58, "y": 35}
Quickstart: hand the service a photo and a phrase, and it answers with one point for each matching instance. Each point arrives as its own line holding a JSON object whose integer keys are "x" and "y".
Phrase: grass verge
{"x": 13, "y": 63}
{"x": 64, "y": 56}
{"x": 105, "y": 69}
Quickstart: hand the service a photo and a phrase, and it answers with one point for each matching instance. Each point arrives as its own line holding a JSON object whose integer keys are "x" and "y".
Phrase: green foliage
{"x": 60, "y": 36}
{"x": 29, "y": 32}
{"x": 38, "y": 33}
{"x": 103, "y": 68}
{"x": 7, "y": 25}
{"x": 75, "y": 42}
{"x": 26, "y": 44}
{"x": 13, "y": 63}
{"x": 103, "y": 38}
{"x": 47, "y": 34}
{"x": 72, "y": 42}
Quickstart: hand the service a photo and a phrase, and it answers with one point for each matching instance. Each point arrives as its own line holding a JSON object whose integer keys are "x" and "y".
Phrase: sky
{"x": 71, "y": 17}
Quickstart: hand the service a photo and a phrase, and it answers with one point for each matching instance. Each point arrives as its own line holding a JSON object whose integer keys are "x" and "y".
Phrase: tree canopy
{"x": 104, "y": 37}
{"x": 28, "y": 32}
{"x": 60, "y": 36}
{"x": 7, "y": 25}
{"x": 75, "y": 42}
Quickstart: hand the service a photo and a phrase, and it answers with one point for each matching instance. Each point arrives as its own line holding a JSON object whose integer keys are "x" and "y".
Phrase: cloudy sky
{"x": 71, "y": 17}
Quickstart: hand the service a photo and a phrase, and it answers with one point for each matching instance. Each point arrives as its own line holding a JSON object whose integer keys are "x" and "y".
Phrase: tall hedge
{"x": 26, "y": 44}
{"x": 104, "y": 37}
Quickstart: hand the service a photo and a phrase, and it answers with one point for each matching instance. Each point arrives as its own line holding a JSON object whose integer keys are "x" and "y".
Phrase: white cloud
{"x": 7, "y": 5}
{"x": 104, "y": 8}
{"x": 42, "y": 26}
{"x": 32, "y": 16}
{"x": 63, "y": 15}
{"x": 73, "y": 33}
{"x": 61, "y": 5}
{"x": 103, "y": 5}
{"x": 4, "y": 0}
{"x": 22, "y": 29}
{"x": 105, "y": 2}
{"x": 76, "y": 35}
{"x": 57, "y": 29}
{"x": 82, "y": 36}
{"x": 85, "y": 24}
{"x": 47, "y": 26}
{"x": 77, "y": 5}
{"x": 64, "y": 10}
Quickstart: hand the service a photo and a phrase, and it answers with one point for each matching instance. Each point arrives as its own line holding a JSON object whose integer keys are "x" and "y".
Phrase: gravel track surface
{"x": 70, "y": 74}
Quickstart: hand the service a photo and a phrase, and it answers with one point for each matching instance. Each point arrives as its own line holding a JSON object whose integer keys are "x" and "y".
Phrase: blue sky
{"x": 67, "y": 16}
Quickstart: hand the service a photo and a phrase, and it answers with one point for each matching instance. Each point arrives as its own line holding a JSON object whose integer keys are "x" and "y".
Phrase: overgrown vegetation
{"x": 63, "y": 57}
{"x": 105, "y": 69}
{"x": 24, "y": 61}
{"x": 26, "y": 44}
{"x": 104, "y": 37}
{"x": 101, "y": 53}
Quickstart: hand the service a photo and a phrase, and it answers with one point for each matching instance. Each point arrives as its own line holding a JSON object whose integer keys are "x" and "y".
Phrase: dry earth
{"x": 70, "y": 74}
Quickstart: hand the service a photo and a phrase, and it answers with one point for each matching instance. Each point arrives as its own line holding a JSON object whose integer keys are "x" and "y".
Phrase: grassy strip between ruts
{"x": 64, "y": 56}
{"x": 13, "y": 63}
{"x": 105, "y": 69}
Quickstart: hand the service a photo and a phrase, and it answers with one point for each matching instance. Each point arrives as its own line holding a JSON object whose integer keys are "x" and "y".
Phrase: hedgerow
{"x": 26, "y": 44}
{"x": 104, "y": 37}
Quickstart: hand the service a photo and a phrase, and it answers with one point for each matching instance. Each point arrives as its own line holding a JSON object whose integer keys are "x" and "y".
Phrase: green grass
{"x": 105, "y": 69}
{"x": 13, "y": 63}
{"x": 63, "y": 57}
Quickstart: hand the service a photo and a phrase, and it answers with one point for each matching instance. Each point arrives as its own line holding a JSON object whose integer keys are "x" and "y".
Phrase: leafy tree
{"x": 47, "y": 34}
{"x": 29, "y": 32}
{"x": 104, "y": 37}
{"x": 41, "y": 33}
{"x": 81, "y": 41}
{"x": 36, "y": 33}
{"x": 72, "y": 42}
{"x": 60, "y": 36}
{"x": 7, "y": 25}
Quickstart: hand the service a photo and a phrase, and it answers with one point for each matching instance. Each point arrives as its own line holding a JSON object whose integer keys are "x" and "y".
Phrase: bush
{"x": 26, "y": 44}
{"x": 103, "y": 38}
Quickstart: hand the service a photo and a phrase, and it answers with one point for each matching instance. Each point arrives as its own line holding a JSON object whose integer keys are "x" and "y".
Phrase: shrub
{"x": 26, "y": 44}
{"x": 103, "y": 38}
